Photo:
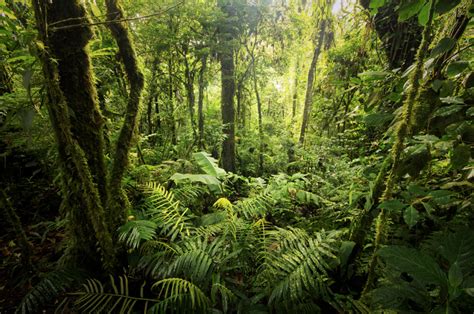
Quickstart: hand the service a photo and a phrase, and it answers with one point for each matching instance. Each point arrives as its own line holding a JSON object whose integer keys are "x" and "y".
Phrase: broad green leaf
{"x": 345, "y": 251}
{"x": 208, "y": 164}
{"x": 468, "y": 81}
{"x": 470, "y": 112}
{"x": 375, "y": 4}
{"x": 211, "y": 181}
{"x": 444, "y": 45}
{"x": 452, "y": 100}
{"x": 424, "y": 14}
{"x": 443, "y": 6}
{"x": 460, "y": 157}
{"x": 373, "y": 75}
{"x": 377, "y": 119}
{"x": 411, "y": 216}
{"x": 447, "y": 111}
{"x": 442, "y": 197}
{"x": 436, "y": 85}
{"x": 409, "y": 8}
{"x": 454, "y": 68}
{"x": 447, "y": 88}
{"x": 420, "y": 266}
{"x": 392, "y": 205}
{"x": 455, "y": 275}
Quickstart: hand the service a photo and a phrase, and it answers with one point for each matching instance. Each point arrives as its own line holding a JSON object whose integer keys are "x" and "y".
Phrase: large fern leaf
{"x": 134, "y": 231}
{"x": 419, "y": 265}
{"x": 95, "y": 299}
{"x": 255, "y": 207}
{"x": 178, "y": 293}
{"x": 172, "y": 220}
{"x": 297, "y": 264}
{"x": 49, "y": 288}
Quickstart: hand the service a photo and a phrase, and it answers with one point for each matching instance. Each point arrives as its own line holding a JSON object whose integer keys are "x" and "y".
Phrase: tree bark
{"x": 119, "y": 202}
{"x": 295, "y": 91}
{"x": 202, "y": 83}
{"x": 259, "y": 111}
{"x": 226, "y": 56}
{"x": 308, "y": 102}
{"x": 189, "y": 84}
{"x": 82, "y": 200}
{"x": 151, "y": 95}
{"x": 171, "y": 100}
{"x": 227, "y": 108}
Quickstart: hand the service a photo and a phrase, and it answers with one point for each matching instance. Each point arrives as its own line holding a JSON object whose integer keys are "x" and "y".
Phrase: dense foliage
{"x": 236, "y": 156}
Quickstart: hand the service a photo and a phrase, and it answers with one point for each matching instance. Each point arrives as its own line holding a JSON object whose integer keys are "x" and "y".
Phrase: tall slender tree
{"x": 227, "y": 33}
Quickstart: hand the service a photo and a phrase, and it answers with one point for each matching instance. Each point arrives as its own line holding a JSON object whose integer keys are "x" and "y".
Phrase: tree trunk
{"x": 226, "y": 55}
{"x": 308, "y": 102}
{"x": 77, "y": 125}
{"x": 227, "y": 108}
{"x": 295, "y": 91}
{"x": 202, "y": 83}
{"x": 189, "y": 84}
{"x": 260, "y": 124}
{"x": 119, "y": 202}
{"x": 151, "y": 95}
{"x": 171, "y": 100}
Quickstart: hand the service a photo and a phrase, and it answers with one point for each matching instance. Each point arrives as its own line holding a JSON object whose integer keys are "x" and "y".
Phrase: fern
{"x": 50, "y": 287}
{"x": 133, "y": 232}
{"x": 180, "y": 293}
{"x": 172, "y": 220}
{"x": 457, "y": 247}
{"x": 420, "y": 266}
{"x": 296, "y": 264}
{"x": 94, "y": 298}
{"x": 195, "y": 259}
{"x": 189, "y": 194}
{"x": 255, "y": 207}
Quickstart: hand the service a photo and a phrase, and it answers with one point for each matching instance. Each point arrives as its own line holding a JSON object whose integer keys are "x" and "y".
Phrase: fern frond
{"x": 420, "y": 266}
{"x": 180, "y": 293}
{"x": 195, "y": 259}
{"x": 50, "y": 287}
{"x": 455, "y": 247}
{"x": 189, "y": 194}
{"x": 134, "y": 231}
{"x": 94, "y": 298}
{"x": 296, "y": 264}
{"x": 226, "y": 294}
{"x": 155, "y": 258}
{"x": 254, "y": 207}
{"x": 172, "y": 220}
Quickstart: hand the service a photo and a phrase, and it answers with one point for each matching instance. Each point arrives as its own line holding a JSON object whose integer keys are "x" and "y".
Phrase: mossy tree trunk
{"x": 227, "y": 33}
{"x": 77, "y": 124}
{"x": 201, "y": 83}
{"x": 308, "y": 101}
{"x": 118, "y": 204}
